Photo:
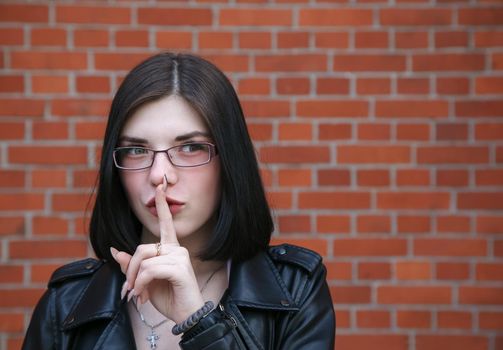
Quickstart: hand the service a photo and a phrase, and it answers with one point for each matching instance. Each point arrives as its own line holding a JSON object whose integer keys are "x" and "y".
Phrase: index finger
{"x": 166, "y": 227}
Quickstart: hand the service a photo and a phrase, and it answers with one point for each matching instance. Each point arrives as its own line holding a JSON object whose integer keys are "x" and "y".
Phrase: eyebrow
{"x": 179, "y": 138}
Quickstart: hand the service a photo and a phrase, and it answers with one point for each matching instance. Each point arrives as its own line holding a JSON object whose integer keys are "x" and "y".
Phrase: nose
{"x": 162, "y": 166}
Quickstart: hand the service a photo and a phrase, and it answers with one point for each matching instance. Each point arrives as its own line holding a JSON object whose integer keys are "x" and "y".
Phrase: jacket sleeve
{"x": 313, "y": 326}
{"x": 41, "y": 331}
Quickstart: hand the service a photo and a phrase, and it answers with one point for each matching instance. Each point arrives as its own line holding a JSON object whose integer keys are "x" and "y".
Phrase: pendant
{"x": 152, "y": 339}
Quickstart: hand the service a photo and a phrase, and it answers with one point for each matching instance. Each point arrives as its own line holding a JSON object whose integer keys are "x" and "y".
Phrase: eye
{"x": 191, "y": 148}
{"x": 136, "y": 151}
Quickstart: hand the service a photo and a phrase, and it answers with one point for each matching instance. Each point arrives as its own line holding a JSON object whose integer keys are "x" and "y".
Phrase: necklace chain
{"x": 153, "y": 337}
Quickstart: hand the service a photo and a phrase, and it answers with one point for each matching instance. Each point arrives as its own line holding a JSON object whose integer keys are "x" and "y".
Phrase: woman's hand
{"x": 167, "y": 279}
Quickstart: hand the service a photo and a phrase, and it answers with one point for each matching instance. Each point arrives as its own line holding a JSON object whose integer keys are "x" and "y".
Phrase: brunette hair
{"x": 243, "y": 224}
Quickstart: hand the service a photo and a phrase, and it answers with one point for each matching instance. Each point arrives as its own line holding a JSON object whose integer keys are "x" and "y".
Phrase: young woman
{"x": 181, "y": 228}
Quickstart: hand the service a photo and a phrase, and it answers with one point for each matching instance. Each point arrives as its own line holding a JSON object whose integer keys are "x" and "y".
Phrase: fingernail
{"x": 131, "y": 295}
{"x": 164, "y": 183}
{"x": 113, "y": 251}
{"x": 124, "y": 290}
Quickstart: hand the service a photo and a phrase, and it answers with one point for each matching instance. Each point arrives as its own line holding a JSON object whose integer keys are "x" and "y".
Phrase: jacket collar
{"x": 254, "y": 283}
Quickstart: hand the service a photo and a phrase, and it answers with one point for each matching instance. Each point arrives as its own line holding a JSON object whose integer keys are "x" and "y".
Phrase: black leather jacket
{"x": 277, "y": 300}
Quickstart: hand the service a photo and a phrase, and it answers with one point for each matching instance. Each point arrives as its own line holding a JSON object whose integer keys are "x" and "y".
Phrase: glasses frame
{"x": 213, "y": 152}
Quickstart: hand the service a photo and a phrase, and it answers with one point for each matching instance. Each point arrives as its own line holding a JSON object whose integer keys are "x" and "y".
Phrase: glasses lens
{"x": 191, "y": 154}
{"x": 133, "y": 157}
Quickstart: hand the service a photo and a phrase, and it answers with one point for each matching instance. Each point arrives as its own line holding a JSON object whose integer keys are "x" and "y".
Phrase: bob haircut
{"x": 243, "y": 219}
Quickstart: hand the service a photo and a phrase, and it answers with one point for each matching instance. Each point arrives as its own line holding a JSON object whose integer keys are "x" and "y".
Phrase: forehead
{"x": 165, "y": 118}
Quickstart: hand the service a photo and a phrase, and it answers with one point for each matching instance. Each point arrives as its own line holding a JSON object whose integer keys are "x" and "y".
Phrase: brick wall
{"x": 378, "y": 124}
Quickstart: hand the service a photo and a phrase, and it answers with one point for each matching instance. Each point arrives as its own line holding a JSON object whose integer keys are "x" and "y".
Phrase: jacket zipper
{"x": 227, "y": 315}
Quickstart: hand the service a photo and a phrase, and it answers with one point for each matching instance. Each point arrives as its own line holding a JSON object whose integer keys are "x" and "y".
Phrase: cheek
{"x": 131, "y": 183}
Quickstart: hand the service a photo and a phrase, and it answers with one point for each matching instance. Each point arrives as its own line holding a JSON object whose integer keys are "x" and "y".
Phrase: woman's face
{"x": 193, "y": 193}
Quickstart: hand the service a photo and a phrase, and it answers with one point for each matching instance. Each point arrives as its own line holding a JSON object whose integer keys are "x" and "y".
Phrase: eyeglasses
{"x": 184, "y": 156}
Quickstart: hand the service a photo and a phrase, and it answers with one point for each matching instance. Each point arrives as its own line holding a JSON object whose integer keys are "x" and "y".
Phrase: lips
{"x": 174, "y": 206}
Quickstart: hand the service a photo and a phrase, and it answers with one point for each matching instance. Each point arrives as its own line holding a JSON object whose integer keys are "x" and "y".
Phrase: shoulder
{"x": 295, "y": 256}
{"x": 76, "y": 271}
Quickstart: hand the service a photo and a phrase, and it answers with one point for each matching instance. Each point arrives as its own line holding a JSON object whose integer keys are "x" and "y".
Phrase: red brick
{"x": 174, "y": 40}
{"x": 91, "y": 37}
{"x": 49, "y": 84}
{"x": 254, "y": 86}
{"x": 480, "y": 200}
{"x": 373, "y": 177}
{"x": 293, "y": 86}
{"x": 338, "y": 271}
{"x": 370, "y": 341}
{"x": 489, "y": 177}
{"x": 318, "y": 245}
{"x": 11, "y": 36}
{"x": 497, "y": 61}
{"x": 489, "y": 272}
{"x": 411, "y": 40}
{"x": 118, "y": 61}
{"x": 260, "y": 132}
{"x": 11, "y": 178}
{"x": 412, "y": 177}
{"x": 291, "y": 40}
{"x": 413, "y": 270}
{"x": 486, "y": 108}
{"x": 480, "y": 16}
{"x": 452, "y": 132}
{"x": 412, "y": 109}
{"x": 373, "y": 86}
{"x": 331, "y": 108}
{"x": 10, "y": 298}
{"x": 230, "y": 63}
{"x": 11, "y": 225}
{"x": 294, "y": 177}
{"x": 373, "y": 154}
{"x": 334, "y": 177}
{"x": 452, "y": 178}
{"x": 454, "y": 319}
{"x": 334, "y": 200}
{"x": 80, "y": 107}
{"x": 71, "y": 202}
{"x": 338, "y": 86}
{"x": 453, "y": 224}
{"x": 21, "y": 107}
{"x": 90, "y": 130}
{"x": 21, "y": 201}
{"x": 452, "y": 155}
{"x": 175, "y": 16}
{"x": 448, "y": 62}
{"x": 489, "y": 85}
{"x": 10, "y": 274}
{"x": 50, "y": 130}
{"x": 49, "y": 225}
{"x": 331, "y": 40}
{"x": 369, "y": 63}
{"x": 48, "y": 37}
{"x": 413, "y": 86}
{"x": 442, "y": 342}
{"x": 93, "y": 84}
{"x": 24, "y": 13}
{"x": 350, "y": 295}
{"x": 48, "y": 178}
{"x": 295, "y": 154}
{"x": 266, "y": 109}
{"x": 48, "y": 60}
{"x": 93, "y": 14}
{"x": 132, "y": 38}
{"x": 42, "y": 272}
{"x": 413, "y": 319}
{"x": 11, "y": 131}
{"x": 35, "y": 249}
{"x": 370, "y": 247}
{"x": 53, "y": 155}
{"x": 373, "y": 131}
{"x": 255, "y": 17}
{"x": 450, "y": 247}
{"x": 334, "y": 131}
{"x": 489, "y": 224}
{"x": 85, "y": 178}
{"x": 488, "y": 38}
{"x": 295, "y": 131}
{"x": 373, "y": 224}
{"x": 414, "y": 295}
{"x": 491, "y": 320}
{"x": 415, "y": 17}
{"x": 413, "y": 132}
{"x": 215, "y": 40}
{"x": 452, "y": 271}
{"x": 373, "y": 319}
{"x": 291, "y": 63}
{"x": 413, "y": 200}
{"x": 11, "y": 83}
{"x": 11, "y": 322}
{"x": 371, "y": 40}
{"x": 333, "y": 224}
{"x": 335, "y": 17}
{"x": 255, "y": 40}
{"x": 413, "y": 224}
{"x": 294, "y": 223}
{"x": 374, "y": 271}
{"x": 343, "y": 319}
{"x": 453, "y": 86}
{"x": 451, "y": 39}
